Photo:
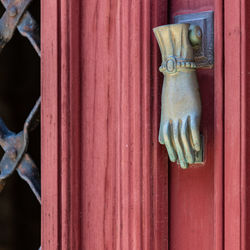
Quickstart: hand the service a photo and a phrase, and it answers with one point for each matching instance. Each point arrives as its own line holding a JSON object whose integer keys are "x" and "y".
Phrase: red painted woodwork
{"x": 245, "y": 145}
{"x": 237, "y": 100}
{"x": 104, "y": 174}
{"x": 233, "y": 165}
{"x": 106, "y": 183}
{"x": 196, "y": 194}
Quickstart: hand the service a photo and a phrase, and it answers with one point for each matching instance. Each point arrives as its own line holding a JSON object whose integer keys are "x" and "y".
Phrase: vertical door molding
{"x": 196, "y": 195}
{"x": 237, "y": 116}
{"x": 218, "y": 125}
{"x": 104, "y": 175}
{"x": 61, "y": 132}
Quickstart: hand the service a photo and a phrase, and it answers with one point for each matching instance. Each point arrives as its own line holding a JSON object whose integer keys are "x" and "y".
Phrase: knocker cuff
{"x": 173, "y": 64}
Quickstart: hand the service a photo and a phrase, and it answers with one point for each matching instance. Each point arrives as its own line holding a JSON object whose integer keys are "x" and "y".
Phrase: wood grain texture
{"x": 245, "y": 8}
{"x": 104, "y": 175}
{"x": 233, "y": 118}
{"x": 237, "y": 96}
{"x": 50, "y": 128}
{"x": 218, "y": 234}
{"x": 233, "y": 165}
{"x": 196, "y": 195}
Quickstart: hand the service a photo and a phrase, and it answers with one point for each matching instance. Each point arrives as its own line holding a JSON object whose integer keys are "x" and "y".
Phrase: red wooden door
{"x": 195, "y": 195}
{"x": 106, "y": 181}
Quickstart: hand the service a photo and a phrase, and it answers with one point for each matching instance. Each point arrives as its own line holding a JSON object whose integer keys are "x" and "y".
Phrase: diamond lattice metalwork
{"x": 15, "y": 146}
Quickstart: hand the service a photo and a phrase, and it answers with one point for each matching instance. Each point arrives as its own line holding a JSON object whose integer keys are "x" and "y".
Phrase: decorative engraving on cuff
{"x": 173, "y": 64}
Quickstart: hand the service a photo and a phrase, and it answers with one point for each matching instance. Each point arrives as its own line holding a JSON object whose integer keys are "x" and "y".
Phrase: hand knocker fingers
{"x": 185, "y": 142}
{"x": 178, "y": 147}
{"x": 168, "y": 142}
{"x": 161, "y": 133}
{"x": 195, "y": 134}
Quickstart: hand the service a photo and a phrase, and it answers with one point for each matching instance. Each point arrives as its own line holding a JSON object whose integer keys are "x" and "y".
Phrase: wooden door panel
{"x": 237, "y": 137}
{"x": 196, "y": 193}
{"x": 106, "y": 183}
{"x": 104, "y": 174}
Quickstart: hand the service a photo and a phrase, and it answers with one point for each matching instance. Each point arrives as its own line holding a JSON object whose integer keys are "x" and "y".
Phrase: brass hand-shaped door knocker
{"x": 181, "y": 104}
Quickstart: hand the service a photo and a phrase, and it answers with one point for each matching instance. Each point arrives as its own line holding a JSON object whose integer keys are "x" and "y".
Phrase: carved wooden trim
{"x": 104, "y": 175}
{"x": 237, "y": 181}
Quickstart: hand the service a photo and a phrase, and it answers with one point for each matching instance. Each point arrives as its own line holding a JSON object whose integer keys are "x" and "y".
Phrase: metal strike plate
{"x": 203, "y": 54}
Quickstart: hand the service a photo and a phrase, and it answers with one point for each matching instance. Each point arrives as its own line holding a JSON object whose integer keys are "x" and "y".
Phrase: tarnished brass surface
{"x": 204, "y": 21}
{"x": 181, "y": 104}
